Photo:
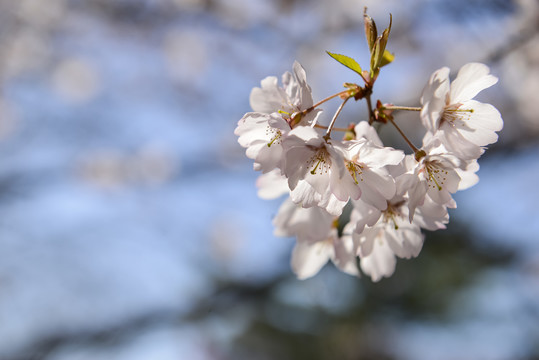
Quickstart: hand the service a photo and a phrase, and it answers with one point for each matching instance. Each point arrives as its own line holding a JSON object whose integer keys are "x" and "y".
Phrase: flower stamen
{"x": 277, "y": 137}
{"x": 321, "y": 159}
{"x": 355, "y": 170}
{"x": 436, "y": 176}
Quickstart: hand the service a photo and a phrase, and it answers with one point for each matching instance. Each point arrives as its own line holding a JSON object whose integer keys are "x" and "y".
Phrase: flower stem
{"x": 344, "y": 92}
{"x": 404, "y": 136}
{"x": 334, "y": 129}
{"x": 330, "y": 127}
{"x": 408, "y": 108}
{"x": 371, "y": 113}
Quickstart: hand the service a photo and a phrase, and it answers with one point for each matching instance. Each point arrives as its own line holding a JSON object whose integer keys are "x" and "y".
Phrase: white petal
{"x": 363, "y": 215}
{"x": 305, "y": 195}
{"x": 344, "y": 188}
{"x": 384, "y": 184}
{"x": 431, "y": 216}
{"x": 381, "y": 262}
{"x": 433, "y": 99}
{"x": 482, "y": 123}
{"x": 345, "y": 256}
{"x": 365, "y": 131}
{"x": 376, "y": 157}
{"x": 309, "y": 258}
{"x": 332, "y": 205}
{"x": 468, "y": 177}
{"x": 416, "y": 197}
{"x": 456, "y": 143}
{"x": 406, "y": 241}
{"x": 270, "y": 98}
{"x": 305, "y": 96}
{"x": 272, "y": 185}
{"x": 471, "y": 79}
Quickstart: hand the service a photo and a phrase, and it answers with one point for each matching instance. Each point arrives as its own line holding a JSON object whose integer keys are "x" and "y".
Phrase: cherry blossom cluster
{"x": 351, "y": 199}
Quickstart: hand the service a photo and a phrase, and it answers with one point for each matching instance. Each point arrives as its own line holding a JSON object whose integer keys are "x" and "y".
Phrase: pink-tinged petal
{"x": 365, "y": 131}
{"x": 372, "y": 197}
{"x": 456, "y": 143}
{"x": 268, "y": 158}
{"x": 366, "y": 241}
{"x": 296, "y": 164}
{"x": 405, "y": 182}
{"x": 380, "y": 263}
{"x": 384, "y": 184}
{"x": 305, "y": 195}
{"x": 344, "y": 188}
{"x": 441, "y": 197}
{"x": 406, "y": 241}
{"x": 416, "y": 197}
{"x": 345, "y": 256}
{"x": 468, "y": 177}
{"x": 272, "y": 185}
{"x": 308, "y": 258}
{"x": 252, "y": 128}
{"x": 482, "y": 124}
{"x": 312, "y": 224}
{"x": 376, "y": 157}
{"x": 364, "y": 215}
{"x": 332, "y": 205}
{"x": 282, "y": 221}
{"x": 431, "y": 216}
{"x": 270, "y": 98}
{"x": 337, "y": 159}
{"x": 305, "y": 96}
{"x": 319, "y": 181}
{"x": 306, "y": 135}
{"x": 254, "y": 149}
{"x": 471, "y": 79}
{"x": 434, "y": 98}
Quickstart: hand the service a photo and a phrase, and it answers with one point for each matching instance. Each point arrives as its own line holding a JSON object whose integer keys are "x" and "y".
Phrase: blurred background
{"x": 129, "y": 222}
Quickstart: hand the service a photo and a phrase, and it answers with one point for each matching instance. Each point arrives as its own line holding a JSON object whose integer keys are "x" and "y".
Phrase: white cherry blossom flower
{"x": 433, "y": 174}
{"x": 289, "y": 100}
{"x": 465, "y": 125}
{"x": 311, "y": 158}
{"x": 369, "y": 178}
{"x": 390, "y": 237}
{"x": 262, "y": 134}
{"x": 317, "y": 240}
{"x": 277, "y": 109}
{"x": 382, "y": 236}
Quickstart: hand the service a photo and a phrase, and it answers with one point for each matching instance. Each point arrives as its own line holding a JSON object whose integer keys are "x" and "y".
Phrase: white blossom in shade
{"x": 262, "y": 134}
{"x": 434, "y": 175}
{"x": 288, "y": 100}
{"x": 311, "y": 158}
{"x": 272, "y": 185}
{"x": 382, "y": 236}
{"x": 369, "y": 178}
{"x": 465, "y": 125}
{"x": 392, "y": 236}
{"x": 317, "y": 240}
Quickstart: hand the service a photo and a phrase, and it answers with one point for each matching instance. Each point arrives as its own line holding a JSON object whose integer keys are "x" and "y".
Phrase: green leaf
{"x": 387, "y": 58}
{"x": 346, "y": 61}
